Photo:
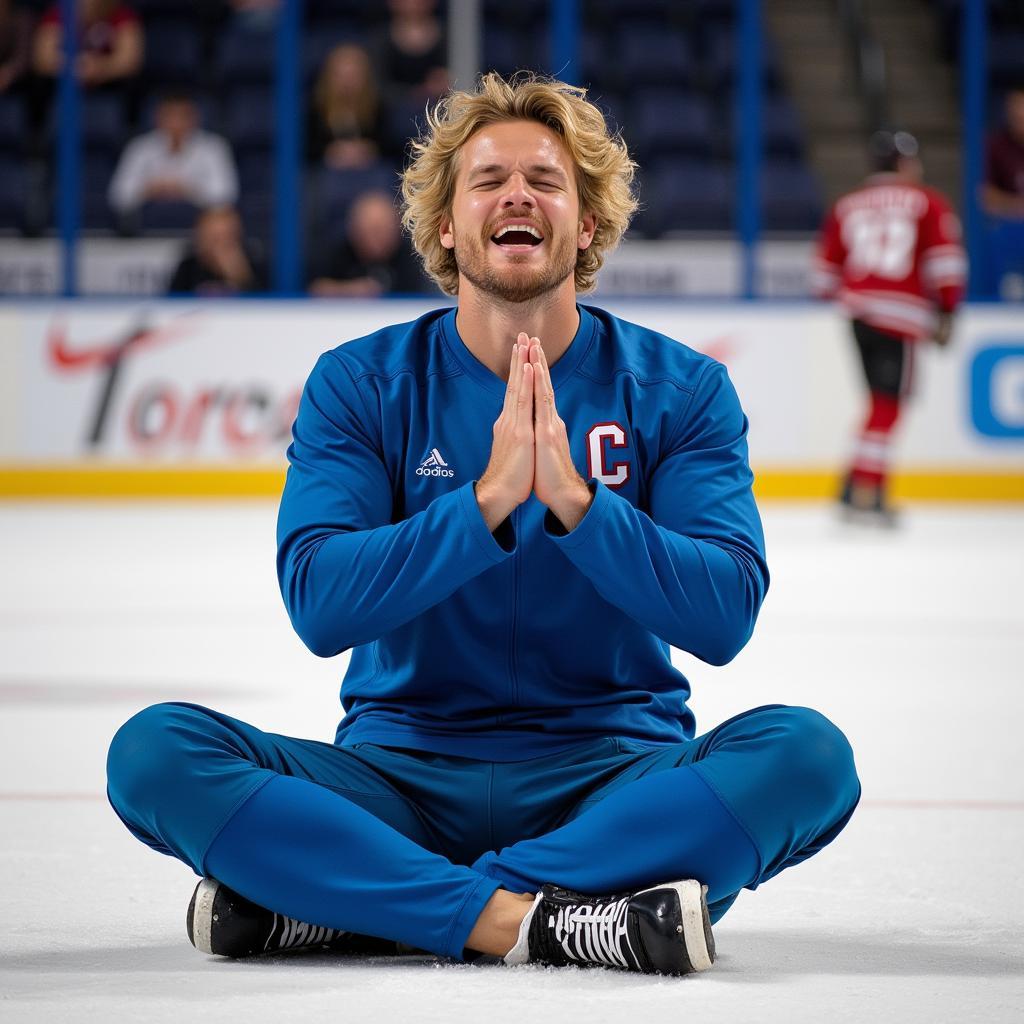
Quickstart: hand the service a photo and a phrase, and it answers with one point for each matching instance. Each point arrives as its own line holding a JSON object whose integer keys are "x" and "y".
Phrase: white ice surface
{"x": 912, "y": 642}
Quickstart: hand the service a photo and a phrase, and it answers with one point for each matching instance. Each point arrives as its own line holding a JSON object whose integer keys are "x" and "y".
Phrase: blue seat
{"x": 1006, "y": 59}
{"x": 249, "y": 117}
{"x": 12, "y": 124}
{"x": 616, "y": 110}
{"x": 628, "y": 11}
{"x": 670, "y": 122}
{"x": 721, "y": 11}
{"x": 257, "y": 212}
{"x": 246, "y": 54}
{"x": 352, "y": 11}
{"x": 780, "y": 127}
{"x": 687, "y": 195}
{"x": 502, "y": 50}
{"x": 336, "y": 191}
{"x": 102, "y": 124}
{"x": 594, "y": 65}
{"x": 172, "y": 216}
{"x": 97, "y": 171}
{"x": 13, "y": 192}
{"x": 651, "y": 56}
{"x": 522, "y": 12}
{"x": 256, "y": 172}
{"x": 403, "y": 119}
{"x": 173, "y": 52}
{"x": 147, "y": 9}
{"x": 722, "y": 60}
{"x": 790, "y": 197}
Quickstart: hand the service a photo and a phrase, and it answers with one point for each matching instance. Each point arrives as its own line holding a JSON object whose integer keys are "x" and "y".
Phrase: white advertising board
{"x": 171, "y": 384}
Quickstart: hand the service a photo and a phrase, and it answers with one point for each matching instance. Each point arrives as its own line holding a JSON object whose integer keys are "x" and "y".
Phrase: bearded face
{"x": 515, "y": 227}
{"x": 501, "y": 262}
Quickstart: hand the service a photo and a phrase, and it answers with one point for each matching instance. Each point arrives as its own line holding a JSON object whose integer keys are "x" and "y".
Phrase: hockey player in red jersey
{"x": 890, "y": 252}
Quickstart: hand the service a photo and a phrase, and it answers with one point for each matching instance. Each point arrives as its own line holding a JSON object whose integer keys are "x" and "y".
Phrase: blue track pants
{"x": 410, "y": 845}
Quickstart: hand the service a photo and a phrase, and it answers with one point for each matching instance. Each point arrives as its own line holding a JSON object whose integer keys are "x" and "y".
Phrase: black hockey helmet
{"x": 887, "y": 148}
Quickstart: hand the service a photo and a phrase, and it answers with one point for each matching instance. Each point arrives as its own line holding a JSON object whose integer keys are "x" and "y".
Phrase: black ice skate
{"x": 662, "y": 930}
{"x": 222, "y": 922}
{"x": 863, "y": 504}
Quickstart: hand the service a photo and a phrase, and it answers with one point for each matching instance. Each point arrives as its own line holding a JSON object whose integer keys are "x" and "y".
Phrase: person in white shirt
{"x": 176, "y": 162}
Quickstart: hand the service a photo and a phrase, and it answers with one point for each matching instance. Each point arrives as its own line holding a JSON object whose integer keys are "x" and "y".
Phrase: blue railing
{"x": 564, "y": 28}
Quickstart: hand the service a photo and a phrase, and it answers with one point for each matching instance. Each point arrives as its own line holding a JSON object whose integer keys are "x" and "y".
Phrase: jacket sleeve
{"x": 943, "y": 261}
{"x": 693, "y": 571}
{"x": 348, "y": 574}
{"x": 829, "y": 258}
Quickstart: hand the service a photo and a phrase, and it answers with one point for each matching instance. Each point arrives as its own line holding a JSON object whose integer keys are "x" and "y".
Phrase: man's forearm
{"x": 493, "y": 506}
{"x": 573, "y": 506}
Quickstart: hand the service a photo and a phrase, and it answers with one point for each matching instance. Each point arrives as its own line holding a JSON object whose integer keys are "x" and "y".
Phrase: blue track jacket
{"x": 523, "y": 642}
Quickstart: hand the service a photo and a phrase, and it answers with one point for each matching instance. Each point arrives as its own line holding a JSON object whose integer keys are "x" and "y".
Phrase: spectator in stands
{"x": 218, "y": 261}
{"x": 411, "y": 52}
{"x": 1002, "y": 195}
{"x": 15, "y": 36}
{"x": 374, "y": 257}
{"x": 176, "y": 162}
{"x": 110, "y": 43}
{"x": 345, "y": 125}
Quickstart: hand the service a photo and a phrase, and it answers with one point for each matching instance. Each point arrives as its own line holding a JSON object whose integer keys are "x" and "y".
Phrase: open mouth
{"x": 517, "y": 237}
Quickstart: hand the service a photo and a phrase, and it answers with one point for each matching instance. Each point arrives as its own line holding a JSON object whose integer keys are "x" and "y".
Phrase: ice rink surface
{"x": 911, "y": 641}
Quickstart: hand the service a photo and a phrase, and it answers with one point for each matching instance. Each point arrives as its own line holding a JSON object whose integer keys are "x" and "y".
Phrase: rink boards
{"x": 169, "y": 398}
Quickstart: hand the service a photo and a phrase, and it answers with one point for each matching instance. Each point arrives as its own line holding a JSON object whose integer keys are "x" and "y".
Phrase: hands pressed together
{"x": 530, "y": 451}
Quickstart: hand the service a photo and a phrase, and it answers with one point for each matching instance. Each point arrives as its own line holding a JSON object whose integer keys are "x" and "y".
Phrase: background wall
{"x": 180, "y": 397}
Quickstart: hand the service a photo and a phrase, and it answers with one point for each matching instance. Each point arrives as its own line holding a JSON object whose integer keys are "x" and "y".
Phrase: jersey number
{"x": 880, "y": 243}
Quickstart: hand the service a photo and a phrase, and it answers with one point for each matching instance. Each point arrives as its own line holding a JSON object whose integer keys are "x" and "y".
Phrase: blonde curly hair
{"x": 604, "y": 170}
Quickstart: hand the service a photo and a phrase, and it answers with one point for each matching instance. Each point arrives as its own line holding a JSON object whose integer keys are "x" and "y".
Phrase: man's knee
{"x": 144, "y": 751}
{"x": 815, "y": 761}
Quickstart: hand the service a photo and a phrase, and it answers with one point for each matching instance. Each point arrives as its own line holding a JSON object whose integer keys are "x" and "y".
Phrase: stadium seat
{"x": 780, "y": 127}
{"x": 1006, "y": 59}
{"x": 722, "y": 61}
{"x": 503, "y": 50}
{"x": 652, "y": 56}
{"x": 715, "y": 10}
{"x": 257, "y": 213}
{"x": 687, "y": 196}
{"x": 103, "y": 122}
{"x": 245, "y": 54}
{"x": 173, "y": 52}
{"x": 523, "y": 14}
{"x": 13, "y": 193}
{"x": 13, "y": 122}
{"x": 177, "y": 217}
{"x": 352, "y": 11}
{"x": 781, "y": 132}
{"x": 97, "y": 171}
{"x": 790, "y": 197}
{"x": 336, "y": 190}
{"x": 618, "y": 12}
{"x": 670, "y": 122}
{"x": 249, "y": 117}
{"x": 256, "y": 172}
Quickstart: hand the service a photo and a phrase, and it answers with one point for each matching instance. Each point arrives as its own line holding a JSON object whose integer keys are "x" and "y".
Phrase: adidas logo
{"x": 434, "y": 465}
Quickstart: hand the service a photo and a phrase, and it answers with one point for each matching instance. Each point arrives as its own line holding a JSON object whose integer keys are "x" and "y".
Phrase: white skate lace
{"x": 593, "y": 933}
{"x": 287, "y": 933}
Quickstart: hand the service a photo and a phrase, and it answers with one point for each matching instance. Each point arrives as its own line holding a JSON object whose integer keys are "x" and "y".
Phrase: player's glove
{"x": 944, "y": 330}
